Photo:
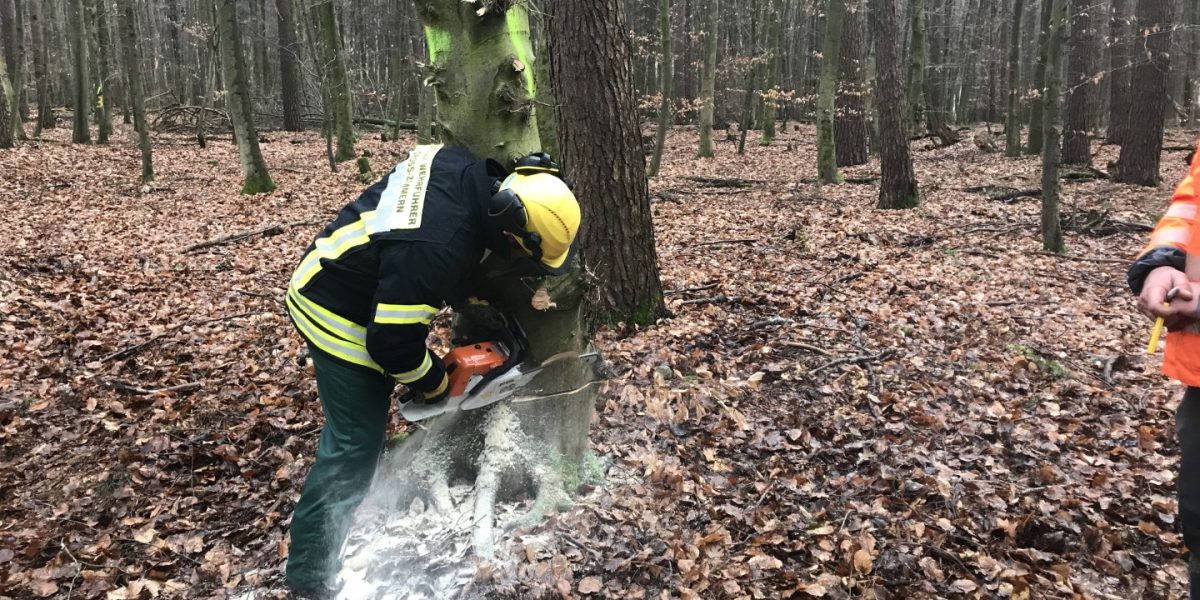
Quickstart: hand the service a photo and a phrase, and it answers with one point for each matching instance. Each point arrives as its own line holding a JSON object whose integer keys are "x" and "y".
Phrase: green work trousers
{"x": 355, "y": 401}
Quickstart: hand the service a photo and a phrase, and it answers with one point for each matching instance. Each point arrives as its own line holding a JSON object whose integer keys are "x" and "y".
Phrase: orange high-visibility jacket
{"x": 1176, "y": 235}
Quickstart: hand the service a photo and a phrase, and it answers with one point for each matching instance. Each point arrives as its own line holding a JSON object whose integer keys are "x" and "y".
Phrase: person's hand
{"x": 1153, "y": 300}
{"x": 438, "y": 395}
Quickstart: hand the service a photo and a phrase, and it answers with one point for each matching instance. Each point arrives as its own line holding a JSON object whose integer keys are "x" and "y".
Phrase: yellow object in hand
{"x": 1154, "y": 335}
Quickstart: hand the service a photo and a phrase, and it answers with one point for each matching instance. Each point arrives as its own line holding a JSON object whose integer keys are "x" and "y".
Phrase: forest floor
{"x": 918, "y": 404}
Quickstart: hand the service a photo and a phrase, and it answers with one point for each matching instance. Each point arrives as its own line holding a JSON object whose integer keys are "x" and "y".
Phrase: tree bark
{"x": 45, "y": 115}
{"x": 850, "y": 120}
{"x": 335, "y": 79}
{"x": 898, "y": 186}
{"x": 21, "y": 108}
{"x": 1140, "y": 154}
{"x": 1012, "y": 121}
{"x": 835, "y": 11}
{"x": 1052, "y": 237}
{"x": 708, "y": 80}
{"x": 546, "y": 103}
{"x": 1076, "y": 148}
{"x": 772, "y": 95}
{"x": 667, "y": 68}
{"x": 289, "y": 67}
{"x": 103, "y": 44}
{"x": 255, "y": 178}
{"x": 131, "y": 51}
{"x": 80, "y": 133}
{"x": 1037, "y": 132}
{"x": 918, "y": 62}
{"x": 1120, "y": 72}
{"x": 7, "y": 107}
{"x": 751, "y": 78}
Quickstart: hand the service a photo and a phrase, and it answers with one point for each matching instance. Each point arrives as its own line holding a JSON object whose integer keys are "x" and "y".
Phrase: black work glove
{"x": 438, "y": 395}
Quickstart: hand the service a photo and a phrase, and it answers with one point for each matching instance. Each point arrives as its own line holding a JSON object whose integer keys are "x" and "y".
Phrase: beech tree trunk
{"x": 1076, "y": 147}
{"x": 335, "y": 79}
{"x": 103, "y": 115}
{"x": 7, "y": 107}
{"x": 255, "y": 178}
{"x": 850, "y": 120}
{"x": 1052, "y": 238}
{"x": 1037, "y": 132}
{"x": 898, "y": 186}
{"x": 601, "y": 146}
{"x": 667, "y": 69}
{"x": 827, "y": 171}
{"x": 1119, "y": 72}
{"x": 45, "y": 114}
{"x": 80, "y": 133}
{"x": 708, "y": 80}
{"x": 20, "y": 108}
{"x": 771, "y": 70}
{"x": 131, "y": 51}
{"x": 1012, "y": 121}
{"x": 916, "y": 67}
{"x": 289, "y": 67}
{"x": 1142, "y": 147}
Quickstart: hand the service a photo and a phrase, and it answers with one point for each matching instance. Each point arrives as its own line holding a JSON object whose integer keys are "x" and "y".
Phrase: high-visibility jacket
{"x": 369, "y": 285}
{"x": 1175, "y": 234}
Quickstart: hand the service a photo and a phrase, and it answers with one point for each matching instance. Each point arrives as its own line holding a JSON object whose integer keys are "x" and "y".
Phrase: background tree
{"x": 917, "y": 65}
{"x": 771, "y": 69}
{"x": 7, "y": 108}
{"x": 99, "y": 8}
{"x": 82, "y": 103}
{"x": 14, "y": 53}
{"x": 1119, "y": 75}
{"x": 601, "y": 151}
{"x": 1076, "y": 146}
{"x": 1037, "y": 132}
{"x": 131, "y": 52}
{"x": 826, "y": 154}
{"x": 1012, "y": 121}
{"x": 1052, "y": 237}
{"x": 335, "y": 79}
{"x": 45, "y": 112}
{"x": 850, "y": 114}
{"x": 289, "y": 67}
{"x": 749, "y": 93}
{"x": 665, "y": 114}
{"x": 1142, "y": 147}
{"x": 898, "y": 186}
{"x": 255, "y": 178}
{"x": 708, "y": 85}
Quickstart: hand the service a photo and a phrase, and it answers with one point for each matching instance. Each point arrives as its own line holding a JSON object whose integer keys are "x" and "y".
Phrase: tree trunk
{"x": 1052, "y": 237}
{"x": 827, "y": 171}
{"x": 916, "y": 67}
{"x": 850, "y": 120}
{"x": 335, "y": 79}
{"x": 751, "y": 77}
{"x": 898, "y": 186}
{"x": 601, "y": 144}
{"x": 547, "y": 105}
{"x": 103, "y": 44}
{"x": 935, "y": 75}
{"x": 771, "y": 69}
{"x": 478, "y": 66}
{"x": 255, "y": 178}
{"x": 1012, "y": 121}
{"x": 1036, "y": 122}
{"x": 131, "y": 51}
{"x": 260, "y": 84}
{"x": 178, "y": 81}
{"x": 708, "y": 81}
{"x": 80, "y": 133}
{"x": 289, "y": 67}
{"x": 45, "y": 116}
{"x": 427, "y": 105}
{"x": 7, "y": 107}
{"x": 1140, "y": 154}
{"x": 667, "y": 69}
{"x": 1120, "y": 72}
{"x": 1076, "y": 148}
{"x": 20, "y": 108}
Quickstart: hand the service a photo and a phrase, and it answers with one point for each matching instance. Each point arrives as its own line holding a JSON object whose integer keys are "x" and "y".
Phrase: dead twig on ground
{"x": 142, "y": 346}
{"x": 1115, "y": 261}
{"x": 265, "y": 232}
{"x": 719, "y": 298}
{"x": 741, "y": 241}
{"x": 692, "y": 289}
{"x": 861, "y": 358}
{"x": 133, "y": 389}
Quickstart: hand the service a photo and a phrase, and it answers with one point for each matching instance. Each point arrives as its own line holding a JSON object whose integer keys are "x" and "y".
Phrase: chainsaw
{"x": 484, "y": 372}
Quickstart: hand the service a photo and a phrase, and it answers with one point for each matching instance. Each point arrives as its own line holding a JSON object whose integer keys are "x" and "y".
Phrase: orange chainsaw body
{"x": 466, "y": 362}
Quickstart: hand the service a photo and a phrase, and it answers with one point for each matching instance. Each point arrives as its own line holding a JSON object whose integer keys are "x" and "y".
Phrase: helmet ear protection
{"x": 506, "y": 209}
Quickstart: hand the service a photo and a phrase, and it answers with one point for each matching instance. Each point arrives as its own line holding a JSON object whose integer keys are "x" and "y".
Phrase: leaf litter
{"x": 845, "y": 402}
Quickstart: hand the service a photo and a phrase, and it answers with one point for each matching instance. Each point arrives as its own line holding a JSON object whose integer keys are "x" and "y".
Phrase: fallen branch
{"x": 803, "y": 346}
{"x": 1115, "y": 261}
{"x": 1031, "y": 193}
{"x": 132, "y": 389}
{"x": 142, "y": 346}
{"x": 712, "y": 300}
{"x": 738, "y": 241}
{"x": 862, "y": 358}
{"x": 724, "y": 182}
{"x": 265, "y": 232}
{"x": 405, "y": 125}
{"x": 692, "y": 289}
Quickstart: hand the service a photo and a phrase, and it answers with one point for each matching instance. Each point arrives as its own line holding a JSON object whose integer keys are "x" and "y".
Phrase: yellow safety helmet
{"x": 541, "y": 212}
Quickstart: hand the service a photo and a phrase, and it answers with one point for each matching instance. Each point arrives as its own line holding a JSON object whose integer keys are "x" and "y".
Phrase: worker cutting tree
{"x": 365, "y": 293}
{"x": 1166, "y": 277}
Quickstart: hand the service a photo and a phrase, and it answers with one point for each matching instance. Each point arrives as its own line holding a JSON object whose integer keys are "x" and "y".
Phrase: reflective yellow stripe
{"x": 417, "y": 373}
{"x": 404, "y": 314}
{"x": 346, "y": 329}
{"x": 332, "y": 247}
{"x": 441, "y": 388}
{"x": 329, "y": 344}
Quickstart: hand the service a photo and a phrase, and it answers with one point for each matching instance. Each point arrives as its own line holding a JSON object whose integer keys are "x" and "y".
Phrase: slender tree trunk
{"x": 261, "y": 82}
{"x": 601, "y": 145}
{"x": 337, "y": 83}
{"x": 751, "y": 77}
{"x": 667, "y": 68}
{"x": 1120, "y": 72}
{"x": 827, "y": 171}
{"x": 1012, "y": 121}
{"x": 708, "y": 81}
{"x": 7, "y": 107}
{"x": 103, "y": 44}
{"x": 547, "y": 105}
{"x": 80, "y": 133}
{"x": 1037, "y": 131}
{"x": 289, "y": 68}
{"x": 37, "y": 25}
{"x": 1140, "y": 154}
{"x": 131, "y": 51}
{"x": 850, "y": 120}
{"x": 898, "y": 187}
{"x": 1052, "y": 237}
{"x": 18, "y": 72}
{"x": 255, "y": 178}
{"x": 771, "y": 69}
{"x": 918, "y": 62}
{"x": 1076, "y": 148}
